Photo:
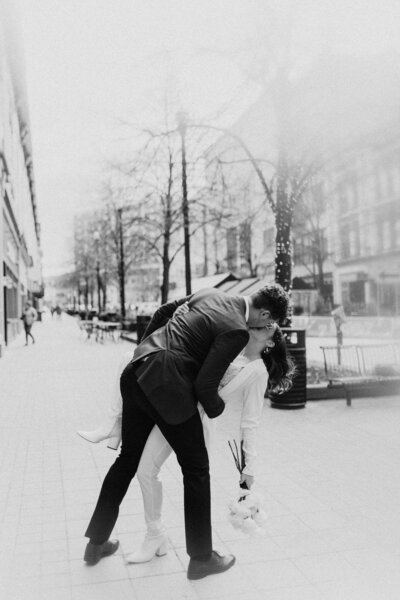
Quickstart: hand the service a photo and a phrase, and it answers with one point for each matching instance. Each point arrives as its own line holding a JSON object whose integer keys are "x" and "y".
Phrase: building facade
{"x": 20, "y": 254}
{"x": 366, "y": 192}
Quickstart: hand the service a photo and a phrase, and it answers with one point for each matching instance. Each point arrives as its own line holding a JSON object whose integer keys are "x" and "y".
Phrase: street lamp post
{"x": 182, "y": 127}
{"x": 121, "y": 265}
{"x": 96, "y": 237}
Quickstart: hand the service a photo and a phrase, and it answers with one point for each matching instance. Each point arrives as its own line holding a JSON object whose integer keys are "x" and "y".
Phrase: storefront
{"x": 11, "y": 295}
{"x": 374, "y": 293}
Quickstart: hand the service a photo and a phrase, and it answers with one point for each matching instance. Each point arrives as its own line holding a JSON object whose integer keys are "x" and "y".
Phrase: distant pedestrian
{"x": 58, "y": 311}
{"x": 339, "y": 318}
{"x": 29, "y": 316}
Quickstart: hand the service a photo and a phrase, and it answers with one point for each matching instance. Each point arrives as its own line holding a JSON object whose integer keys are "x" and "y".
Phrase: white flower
{"x": 246, "y": 513}
{"x": 249, "y": 526}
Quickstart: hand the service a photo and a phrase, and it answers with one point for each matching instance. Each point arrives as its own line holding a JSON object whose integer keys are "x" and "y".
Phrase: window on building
{"x": 373, "y": 235}
{"x": 388, "y": 182}
{"x": 352, "y": 196}
{"x": 386, "y": 236}
{"x": 345, "y": 242}
{"x": 345, "y": 293}
{"x": 245, "y": 240}
{"x": 303, "y": 250}
{"x": 352, "y": 243}
{"x": 396, "y": 179}
{"x": 377, "y": 187}
{"x": 397, "y": 232}
{"x": 269, "y": 239}
{"x": 357, "y": 292}
{"x": 297, "y": 251}
{"x": 343, "y": 200}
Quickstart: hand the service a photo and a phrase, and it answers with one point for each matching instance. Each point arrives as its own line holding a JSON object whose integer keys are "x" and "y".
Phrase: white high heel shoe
{"x": 151, "y": 547}
{"x": 111, "y": 431}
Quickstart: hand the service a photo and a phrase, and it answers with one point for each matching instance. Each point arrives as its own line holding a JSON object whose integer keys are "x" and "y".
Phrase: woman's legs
{"x": 28, "y": 333}
{"x": 154, "y": 455}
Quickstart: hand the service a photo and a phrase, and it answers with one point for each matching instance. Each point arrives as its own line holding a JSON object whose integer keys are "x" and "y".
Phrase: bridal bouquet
{"x": 245, "y": 511}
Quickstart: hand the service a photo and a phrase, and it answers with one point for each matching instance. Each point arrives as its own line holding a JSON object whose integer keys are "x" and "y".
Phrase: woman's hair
{"x": 279, "y": 364}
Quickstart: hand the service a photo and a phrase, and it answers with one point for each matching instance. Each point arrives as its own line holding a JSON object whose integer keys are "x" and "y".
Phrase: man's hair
{"x": 273, "y": 298}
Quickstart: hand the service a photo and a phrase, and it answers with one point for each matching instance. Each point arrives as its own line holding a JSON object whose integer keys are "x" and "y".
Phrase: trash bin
{"x": 296, "y": 397}
{"x": 141, "y": 325}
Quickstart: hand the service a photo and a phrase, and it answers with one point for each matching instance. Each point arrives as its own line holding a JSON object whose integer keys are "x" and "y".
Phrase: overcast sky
{"x": 94, "y": 63}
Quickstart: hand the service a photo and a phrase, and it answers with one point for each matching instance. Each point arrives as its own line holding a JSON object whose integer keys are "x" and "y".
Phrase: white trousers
{"x": 154, "y": 455}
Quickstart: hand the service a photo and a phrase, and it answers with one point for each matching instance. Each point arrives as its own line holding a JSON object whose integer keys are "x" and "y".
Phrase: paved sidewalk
{"x": 329, "y": 475}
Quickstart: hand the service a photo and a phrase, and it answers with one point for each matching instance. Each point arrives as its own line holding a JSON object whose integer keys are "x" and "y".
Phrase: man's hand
{"x": 247, "y": 479}
{"x": 181, "y": 310}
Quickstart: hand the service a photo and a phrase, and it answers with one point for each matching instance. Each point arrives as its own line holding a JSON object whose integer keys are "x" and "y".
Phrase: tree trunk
{"x": 104, "y": 286}
{"x": 321, "y": 279}
{"x": 283, "y": 222}
{"x": 166, "y": 263}
{"x": 86, "y": 294}
{"x": 185, "y": 213}
{"x": 121, "y": 265}
{"x": 91, "y": 296}
{"x": 217, "y": 262}
{"x": 165, "y": 281}
{"x": 205, "y": 243}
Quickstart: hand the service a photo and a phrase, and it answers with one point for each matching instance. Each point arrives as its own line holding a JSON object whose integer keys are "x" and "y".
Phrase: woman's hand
{"x": 247, "y": 479}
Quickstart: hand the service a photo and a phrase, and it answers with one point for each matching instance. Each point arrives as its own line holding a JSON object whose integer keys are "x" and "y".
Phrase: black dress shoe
{"x": 94, "y": 553}
{"x": 215, "y": 564}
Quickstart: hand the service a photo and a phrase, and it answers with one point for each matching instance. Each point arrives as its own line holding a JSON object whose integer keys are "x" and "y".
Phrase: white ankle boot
{"x": 110, "y": 430}
{"x": 151, "y": 546}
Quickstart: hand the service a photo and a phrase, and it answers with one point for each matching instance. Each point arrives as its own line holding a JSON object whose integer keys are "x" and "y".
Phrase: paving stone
{"x": 329, "y": 476}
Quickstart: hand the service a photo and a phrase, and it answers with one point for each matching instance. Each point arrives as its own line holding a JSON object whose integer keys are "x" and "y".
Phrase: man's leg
{"x": 187, "y": 441}
{"x": 136, "y": 427}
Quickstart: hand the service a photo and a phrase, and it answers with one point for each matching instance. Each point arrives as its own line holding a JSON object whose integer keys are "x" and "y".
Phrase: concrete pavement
{"x": 329, "y": 475}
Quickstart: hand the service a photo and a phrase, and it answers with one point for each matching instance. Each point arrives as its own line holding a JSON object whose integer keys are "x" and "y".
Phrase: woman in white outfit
{"x": 263, "y": 363}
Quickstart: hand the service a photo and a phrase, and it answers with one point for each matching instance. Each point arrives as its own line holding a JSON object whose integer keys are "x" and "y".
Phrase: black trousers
{"x": 28, "y": 329}
{"x": 187, "y": 441}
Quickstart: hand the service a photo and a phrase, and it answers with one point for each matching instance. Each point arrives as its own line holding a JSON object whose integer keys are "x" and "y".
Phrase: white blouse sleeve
{"x": 253, "y": 402}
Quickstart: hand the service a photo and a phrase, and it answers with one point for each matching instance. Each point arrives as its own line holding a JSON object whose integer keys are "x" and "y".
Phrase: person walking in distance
{"x": 179, "y": 363}
{"x": 29, "y": 316}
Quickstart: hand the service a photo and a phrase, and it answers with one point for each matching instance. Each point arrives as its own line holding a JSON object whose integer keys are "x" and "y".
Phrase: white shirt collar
{"x": 247, "y": 312}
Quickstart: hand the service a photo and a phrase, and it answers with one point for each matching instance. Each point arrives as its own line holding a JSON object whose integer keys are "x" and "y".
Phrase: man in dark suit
{"x": 179, "y": 363}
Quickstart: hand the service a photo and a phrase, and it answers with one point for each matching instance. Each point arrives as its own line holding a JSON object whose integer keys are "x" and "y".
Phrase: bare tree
{"x": 310, "y": 225}
{"x": 153, "y": 180}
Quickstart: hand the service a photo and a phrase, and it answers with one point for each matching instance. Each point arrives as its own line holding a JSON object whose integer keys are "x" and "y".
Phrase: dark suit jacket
{"x": 185, "y": 357}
